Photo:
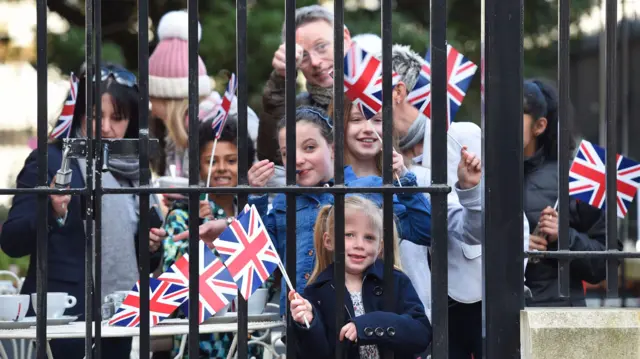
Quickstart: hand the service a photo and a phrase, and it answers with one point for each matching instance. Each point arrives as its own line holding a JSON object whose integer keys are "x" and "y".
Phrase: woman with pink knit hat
{"x": 169, "y": 91}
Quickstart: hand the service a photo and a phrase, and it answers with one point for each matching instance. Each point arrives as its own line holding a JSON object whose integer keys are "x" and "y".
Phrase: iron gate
{"x": 501, "y": 76}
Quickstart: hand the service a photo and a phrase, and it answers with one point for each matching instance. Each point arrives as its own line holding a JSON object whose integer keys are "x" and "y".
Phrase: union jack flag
{"x": 460, "y": 71}
{"x": 62, "y": 127}
{"x": 220, "y": 113}
{"x": 209, "y": 106}
{"x": 587, "y": 179}
{"x": 245, "y": 210}
{"x": 164, "y": 299}
{"x": 217, "y": 287}
{"x": 247, "y": 252}
{"x": 363, "y": 80}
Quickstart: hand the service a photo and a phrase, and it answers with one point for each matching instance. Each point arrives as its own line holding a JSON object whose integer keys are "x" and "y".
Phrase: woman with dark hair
{"x": 587, "y": 225}
{"x": 66, "y": 230}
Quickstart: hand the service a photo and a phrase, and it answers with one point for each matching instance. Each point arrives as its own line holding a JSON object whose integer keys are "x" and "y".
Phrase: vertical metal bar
{"x": 502, "y": 63}
{"x": 43, "y": 180}
{"x": 194, "y": 179}
{"x": 338, "y": 142}
{"x": 624, "y": 78}
{"x": 145, "y": 174}
{"x": 439, "y": 235}
{"x": 97, "y": 158}
{"x": 243, "y": 164}
{"x": 89, "y": 215}
{"x": 564, "y": 139}
{"x": 290, "y": 114}
{"x": 612, "y": 143}
{"x": 387, "y": 148}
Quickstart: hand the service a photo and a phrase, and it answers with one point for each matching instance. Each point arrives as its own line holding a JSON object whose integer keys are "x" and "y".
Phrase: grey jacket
{"x": 464, "y": 224}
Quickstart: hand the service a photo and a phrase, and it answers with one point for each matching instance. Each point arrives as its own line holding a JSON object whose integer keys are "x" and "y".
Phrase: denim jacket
{"x": 413, "y": 210}
{"x": 307, "y": 207}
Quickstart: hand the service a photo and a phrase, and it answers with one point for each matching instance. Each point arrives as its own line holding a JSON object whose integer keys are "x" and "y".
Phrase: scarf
{"x": 321, "y": 95}
{"x": 120, "y": 217}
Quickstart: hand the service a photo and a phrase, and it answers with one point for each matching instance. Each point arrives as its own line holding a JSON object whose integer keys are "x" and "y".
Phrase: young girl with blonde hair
{"x": 369, "y": 329}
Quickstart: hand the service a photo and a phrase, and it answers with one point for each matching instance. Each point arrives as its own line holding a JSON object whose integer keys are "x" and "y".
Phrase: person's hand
{"x": 59, "y": 203}
{"x": 156, "y": 235}
{"x": 208, "y": 231}
{"x": 260, "y": 173}
{"x": 537, "y": 243}
{"x": 205, "y": 210}
{"x": 350, "y": 332}
{"x": 300, "y": 308}
{"x": 399, "y": 169}
{"x": 469, "y": 169}
{"x": 169, "y": 198}
{"x": 279, "y": 59}
{"x": 549, "y": 224}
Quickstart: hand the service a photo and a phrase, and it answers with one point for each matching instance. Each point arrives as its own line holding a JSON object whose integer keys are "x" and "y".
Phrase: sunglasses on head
{"x": 121, "y": 76}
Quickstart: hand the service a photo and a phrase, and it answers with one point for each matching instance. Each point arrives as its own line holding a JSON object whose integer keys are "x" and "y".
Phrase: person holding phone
{"x": 66, "y": 230}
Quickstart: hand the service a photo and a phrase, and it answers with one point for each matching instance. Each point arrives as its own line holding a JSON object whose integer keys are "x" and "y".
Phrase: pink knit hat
{"x": 169, "y": 63}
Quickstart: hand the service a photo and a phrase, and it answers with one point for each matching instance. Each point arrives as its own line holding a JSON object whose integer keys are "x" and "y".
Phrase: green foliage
{"x": 67, "y": 50}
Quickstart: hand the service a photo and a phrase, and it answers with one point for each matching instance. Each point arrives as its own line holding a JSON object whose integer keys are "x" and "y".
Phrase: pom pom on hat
{"x": 175, "y": 25}
{"x": 168, "y": 67}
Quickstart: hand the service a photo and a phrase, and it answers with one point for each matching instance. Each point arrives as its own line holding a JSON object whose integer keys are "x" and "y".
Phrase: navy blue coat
{"x": 66, "y": 245}
{"x": 406, "y": 331}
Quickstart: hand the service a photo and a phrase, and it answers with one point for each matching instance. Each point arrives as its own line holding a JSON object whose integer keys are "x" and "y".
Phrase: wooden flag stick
{"x": 213, "y": 152}
{"x": 286, "y": 278}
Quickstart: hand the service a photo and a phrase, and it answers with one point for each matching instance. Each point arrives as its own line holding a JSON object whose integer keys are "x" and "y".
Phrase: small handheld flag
{"x": 164, "y": 299}
{"x": 216, "y": 286}
{"x": 363, "y": 80}
{"x": 247, "y": 251}
{"x": 62, "y": 127}
{"x": 460, "y": 72}
{"x": 587, "y": 178}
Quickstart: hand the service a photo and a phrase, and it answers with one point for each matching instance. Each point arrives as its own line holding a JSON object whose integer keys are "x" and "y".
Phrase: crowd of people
{"x": 368, "y": 328}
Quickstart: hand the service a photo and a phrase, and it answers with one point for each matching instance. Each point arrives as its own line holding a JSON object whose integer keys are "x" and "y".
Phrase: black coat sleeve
{"x": 587, "y": 232}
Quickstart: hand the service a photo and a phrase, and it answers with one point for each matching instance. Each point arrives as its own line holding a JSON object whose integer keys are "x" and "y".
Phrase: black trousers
{"x": 465, "y": 330}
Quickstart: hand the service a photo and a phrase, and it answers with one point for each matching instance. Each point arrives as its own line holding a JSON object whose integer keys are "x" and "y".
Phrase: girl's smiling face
{"x": 362, "y": 244}
{"x": 360, "y": 135}
{"x": 314, "y": 155}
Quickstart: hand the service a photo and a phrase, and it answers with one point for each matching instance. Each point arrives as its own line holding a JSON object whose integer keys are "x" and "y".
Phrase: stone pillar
{"x": 580, "y": 333}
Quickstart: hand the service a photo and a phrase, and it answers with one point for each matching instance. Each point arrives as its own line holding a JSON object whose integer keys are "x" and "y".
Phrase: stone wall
{"x": 580, "y": 333}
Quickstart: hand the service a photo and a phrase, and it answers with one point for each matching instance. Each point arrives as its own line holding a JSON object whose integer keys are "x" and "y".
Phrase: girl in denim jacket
{"x": 314, "y": 168}
{"x": 368, "y": 329}
{"x": 363, "y": 168}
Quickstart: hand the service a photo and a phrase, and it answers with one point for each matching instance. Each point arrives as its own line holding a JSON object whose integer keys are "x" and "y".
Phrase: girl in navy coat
{"x": 368, "y": 329}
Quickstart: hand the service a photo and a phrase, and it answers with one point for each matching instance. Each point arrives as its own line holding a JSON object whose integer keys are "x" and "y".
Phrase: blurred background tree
{"x": 265, "y": 19}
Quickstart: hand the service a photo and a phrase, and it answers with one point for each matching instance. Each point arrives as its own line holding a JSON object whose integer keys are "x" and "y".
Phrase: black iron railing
{"x": 502, "y": 75}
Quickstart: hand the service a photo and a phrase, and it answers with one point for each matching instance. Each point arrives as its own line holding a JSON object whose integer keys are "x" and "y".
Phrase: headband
{"x": 323, "y": 117}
